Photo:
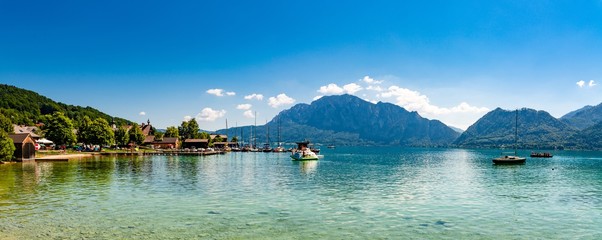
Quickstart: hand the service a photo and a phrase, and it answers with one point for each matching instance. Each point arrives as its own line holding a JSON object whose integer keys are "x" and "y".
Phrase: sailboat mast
{"x": 268, "y": 131}
{"x": 515, "y": 131}
{"x": 279, "y": 132}
{"x": 255, "y": 131}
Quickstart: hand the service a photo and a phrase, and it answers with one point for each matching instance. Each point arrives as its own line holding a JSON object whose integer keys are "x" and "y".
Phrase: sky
{"x": 169, "y": 61}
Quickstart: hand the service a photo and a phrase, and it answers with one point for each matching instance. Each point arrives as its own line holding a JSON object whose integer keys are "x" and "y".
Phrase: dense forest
{"x": 26, "y": 107}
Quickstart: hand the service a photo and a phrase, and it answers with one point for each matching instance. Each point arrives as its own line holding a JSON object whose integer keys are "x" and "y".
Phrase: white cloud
{"x": 331, "y": 89}
{"x": 142, "y": 113}
{"x": 352, "y": 88}
{"x": 220, "y": 92}
{"x": 245, "y": 106}
{"x": 375, "y": 88}
{"x": 318, "y": 97}
{"x": 254, "y": 96}
{"x": 249, "y": 114}
{"x": 216, "y": 91}
{"x": 280, "y": 100}
{"x": 369, "y": 80}
{"x": 187, "y": 118}
{"x": 590, "y": 84}
{"x": 415, "y": 101}
{"x": 210, "y": 115}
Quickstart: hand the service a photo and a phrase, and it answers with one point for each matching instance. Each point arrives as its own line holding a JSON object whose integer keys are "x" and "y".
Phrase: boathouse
{"x": 21, "y": 129}
{"x": 166, "y": 143}
{"x": 196, "y": 143}
{"x": 25, "y": 149}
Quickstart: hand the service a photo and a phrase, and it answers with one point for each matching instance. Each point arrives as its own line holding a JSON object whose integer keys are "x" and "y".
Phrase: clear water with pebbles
{"x": 352, "y": 193}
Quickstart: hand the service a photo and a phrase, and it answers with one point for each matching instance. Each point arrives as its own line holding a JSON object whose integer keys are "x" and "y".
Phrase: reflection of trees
{"x": 138, "y": 167}
{"x": 96, "y": 171}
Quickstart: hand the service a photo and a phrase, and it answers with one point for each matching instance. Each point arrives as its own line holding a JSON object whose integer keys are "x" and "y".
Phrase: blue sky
{"x": 448, "y": 60}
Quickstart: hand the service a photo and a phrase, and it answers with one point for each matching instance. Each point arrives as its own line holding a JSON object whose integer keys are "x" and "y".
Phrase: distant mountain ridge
{"x": 361, "y": 122}
{"x": 584, "y": 117}
{"x": 536, "y": 129}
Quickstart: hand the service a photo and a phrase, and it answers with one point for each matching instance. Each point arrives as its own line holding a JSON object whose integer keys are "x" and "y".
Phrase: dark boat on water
{"x": 511, "y": 159}
{"x": 541, "y": 155}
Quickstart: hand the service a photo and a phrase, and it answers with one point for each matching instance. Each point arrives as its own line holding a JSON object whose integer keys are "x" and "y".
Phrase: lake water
{"x": 352, "y": 193}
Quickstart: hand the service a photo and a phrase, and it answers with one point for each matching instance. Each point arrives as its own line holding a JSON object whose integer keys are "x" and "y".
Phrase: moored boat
{"x": 511, "y": 159}
{"x": 507, "y": 159}
{"x": 303, "y": 153}
{"x": 279, "y": 149}
{"x": 541, "y": 155}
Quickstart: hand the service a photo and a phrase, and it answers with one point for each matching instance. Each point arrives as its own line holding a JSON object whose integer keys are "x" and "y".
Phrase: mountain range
{"x": 584, "y": 117}
{"x": 349, "y": 120}
{"x": 532, "y": 128}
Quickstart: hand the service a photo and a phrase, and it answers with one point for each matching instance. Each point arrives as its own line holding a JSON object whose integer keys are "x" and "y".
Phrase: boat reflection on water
{"x": 308, "y": 167}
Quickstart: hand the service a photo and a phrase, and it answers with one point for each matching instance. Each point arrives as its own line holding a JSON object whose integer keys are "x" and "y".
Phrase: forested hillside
{"x": 27, "y": 107}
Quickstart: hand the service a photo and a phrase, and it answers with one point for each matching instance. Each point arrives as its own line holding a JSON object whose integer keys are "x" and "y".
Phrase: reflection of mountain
{"x": 349, "y": 120}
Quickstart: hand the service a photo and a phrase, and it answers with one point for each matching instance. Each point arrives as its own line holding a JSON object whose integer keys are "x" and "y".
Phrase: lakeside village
{"x": 59, "y": 140}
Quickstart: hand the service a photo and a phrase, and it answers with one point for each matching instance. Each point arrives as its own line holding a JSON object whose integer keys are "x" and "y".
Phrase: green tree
{"x": 172, "y": 132}
{"x": 158, "y": 136}
{"x": 183, "y": 130}
{"x": 100, "y": 133}
{"x": 84, "y": 131}
{"x": 218, "y": 138}
{"x": 7, "y": 148}
{"x": 189, "y": 129}
{"x": 204, "y": 135}
{"x": 136, "y": 135}
{"x": 234, "y": 139}
{"x": 59, "y": 129}
{"x": 6, "y": 124}
{"x": 122, "y": 136}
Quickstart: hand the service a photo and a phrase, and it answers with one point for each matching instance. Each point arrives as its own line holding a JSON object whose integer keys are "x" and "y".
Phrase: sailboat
{"x": 511, "y": 159}
{"x": 279, "y": 148}
{"x": 266, "y": 146}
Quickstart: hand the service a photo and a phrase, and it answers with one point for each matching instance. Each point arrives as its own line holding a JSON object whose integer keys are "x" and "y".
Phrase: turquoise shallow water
{"x": 352, "y": 193}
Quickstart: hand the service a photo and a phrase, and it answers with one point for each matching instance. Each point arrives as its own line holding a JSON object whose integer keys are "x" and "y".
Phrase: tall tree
{"x": 59, "y": 129}
{"x": 183, "y": 130}
{"x": 136, "y": 135}
{"x": 7, "y": 148}
{"x": 122, "y": 136}
{"x": 84, "y": 132}
{"x": 172, "y": 132}
{"x": 189, "y": 129}
{"x": 100, "y": 132}
{"x": 6, "y": 124}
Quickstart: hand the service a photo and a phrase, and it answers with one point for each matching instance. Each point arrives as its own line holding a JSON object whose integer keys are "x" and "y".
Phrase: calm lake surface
{"x": 352, "y": 193}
